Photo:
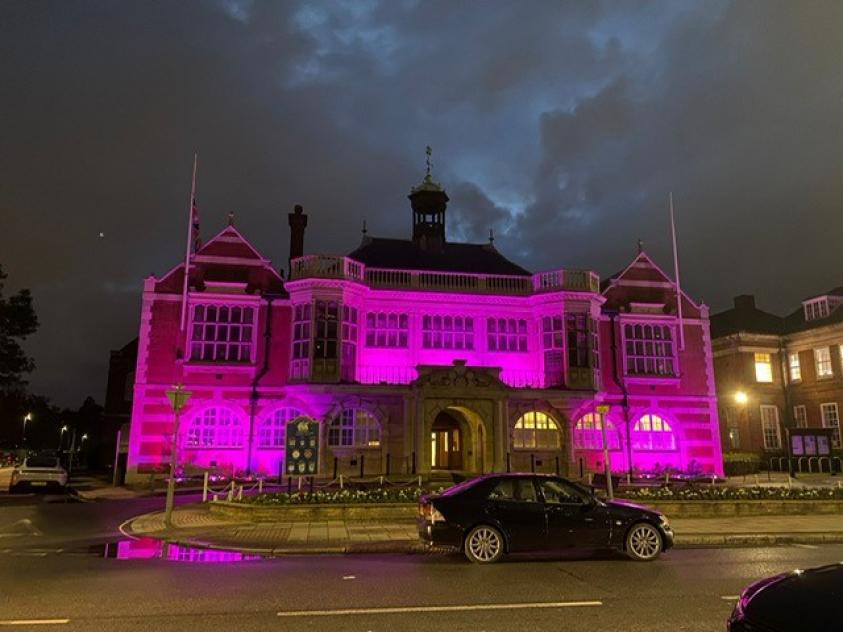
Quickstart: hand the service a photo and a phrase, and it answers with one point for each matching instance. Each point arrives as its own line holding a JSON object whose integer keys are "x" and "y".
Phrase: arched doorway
{"x": 446, "y": 443}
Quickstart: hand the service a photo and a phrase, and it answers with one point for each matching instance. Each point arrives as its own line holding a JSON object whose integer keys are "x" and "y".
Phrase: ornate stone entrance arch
{"x": 473, "y": 396}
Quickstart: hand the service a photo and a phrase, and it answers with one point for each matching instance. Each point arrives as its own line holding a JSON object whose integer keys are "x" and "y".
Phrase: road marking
{"x": 122, "y": 530}
{"x": 29, "y": 554}
{"x": 35, "y": 622}
{"x": 730, "y": 597}
{"x": 805, "y": 546}
{"x": 349, "y": 577}
{"x": 463, "y": 608}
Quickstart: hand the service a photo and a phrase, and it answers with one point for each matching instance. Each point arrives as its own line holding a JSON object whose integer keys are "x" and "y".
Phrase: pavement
{"x": 195, "y": 526}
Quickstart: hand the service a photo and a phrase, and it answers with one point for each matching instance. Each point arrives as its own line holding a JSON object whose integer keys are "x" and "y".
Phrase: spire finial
{"x": 491, "y": 236}
{"x": 364, "y": 231}
{"x": 231, "y": 218}
{"x": 640, "y": 246}
{"x": 429, "y": 151}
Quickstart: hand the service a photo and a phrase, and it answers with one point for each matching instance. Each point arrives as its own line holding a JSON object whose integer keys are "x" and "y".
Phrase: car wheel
{"x": 484, "y": 545}
{"x": 643, "y": 542}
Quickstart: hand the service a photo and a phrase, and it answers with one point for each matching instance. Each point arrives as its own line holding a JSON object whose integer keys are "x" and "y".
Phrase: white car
{"x": 39, "y": 473}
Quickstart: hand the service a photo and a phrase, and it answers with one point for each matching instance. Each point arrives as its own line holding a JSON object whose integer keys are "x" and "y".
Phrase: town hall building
{"x": 420, "y": 355}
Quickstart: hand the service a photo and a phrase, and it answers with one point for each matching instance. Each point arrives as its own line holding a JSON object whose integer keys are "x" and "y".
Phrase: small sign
{"x": 302, "y": 443}
{"x": 178, "y": 397}
{"x": 823, "y": 446}
{"x": 602, "y": 410}
{"x": 796, "y": 446}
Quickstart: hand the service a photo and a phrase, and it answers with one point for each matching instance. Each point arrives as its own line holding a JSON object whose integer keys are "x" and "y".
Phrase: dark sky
{"x": 563, "y": 125}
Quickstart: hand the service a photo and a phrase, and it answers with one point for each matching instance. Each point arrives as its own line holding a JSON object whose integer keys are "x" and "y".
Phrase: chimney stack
{"x": 298, "y": 222}
{"x": 745, "y": 302}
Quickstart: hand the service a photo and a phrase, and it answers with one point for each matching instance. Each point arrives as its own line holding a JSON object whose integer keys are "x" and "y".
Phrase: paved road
{"x": 62, "y": 575}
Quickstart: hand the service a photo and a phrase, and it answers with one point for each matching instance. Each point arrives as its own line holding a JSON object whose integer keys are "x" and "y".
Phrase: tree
{"x": 17, "y": 321}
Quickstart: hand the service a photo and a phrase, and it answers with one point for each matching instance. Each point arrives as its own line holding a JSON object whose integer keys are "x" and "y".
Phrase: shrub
{"x": 741, "y": 463}
{"x": 340, "y": 496}
{"x": 735, "y": 493}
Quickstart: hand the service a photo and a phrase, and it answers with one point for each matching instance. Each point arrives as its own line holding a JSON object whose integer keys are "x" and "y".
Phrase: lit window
{"x": 822, "y": 357}
{"x": 795, "y": 368}
{"x": 387, "y": 330}
{"x": 553, "y": 340}
{"x": 651, "y": 432}
{"x": 354, "y": 427}
{"x": 535, "y": 430}
{"x": 800, "y": 416}
{"x": 325, "y": 341}
{"x": 506, "y": 334}
{"x": 349, "y": 343}
{"x": 770, "y": 428}
{"x": 588, "y": 433}
{"x": 831, "y": 419}
{"x": 216, "y": 427}
{"x": 274, "y": 427}
{"x": 816, "y": 309}
{"x": 447, "y": 332}
{"x": 222, "y": 333}
{"x": 649, "y": 350}
{"x": 763, "y": 367}
{"x": 301, "y": 341}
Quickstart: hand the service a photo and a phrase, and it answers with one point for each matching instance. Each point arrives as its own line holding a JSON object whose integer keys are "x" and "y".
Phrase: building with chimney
{"x": 775, "y": 373}
{"x": 420, "y": 355}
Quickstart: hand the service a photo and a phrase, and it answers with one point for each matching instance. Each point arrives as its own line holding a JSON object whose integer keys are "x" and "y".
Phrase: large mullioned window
{"x": 447, "y": 332}
{"x": 537, "y": 430}
{"x": 222, "y": 333}
{"x": 770, "y": 428}
{"x": 652, "y": 432}
{"x": 588, "y": 433}
{"x": 831, "y": 419}
{"x": 506, "y": 334}
{"x": 215, "y": 427}
{"x": 301, "y": 341}
{"x": 274, "y": 427}
{"x": 354, "y": 427}
{"x": 387, "y": 330}
{"x": 649, "y": 350}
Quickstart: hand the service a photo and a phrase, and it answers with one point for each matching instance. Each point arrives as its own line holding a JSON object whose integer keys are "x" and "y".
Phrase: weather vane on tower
{"x": 429, "y": 153}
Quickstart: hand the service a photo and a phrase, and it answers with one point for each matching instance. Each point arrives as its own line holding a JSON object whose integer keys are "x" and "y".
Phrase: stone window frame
{"x": 202, "y": 324}
{"x": 354, "y": 428}
{"x": 771, "y": 433}
{"x": 209, "y": 425}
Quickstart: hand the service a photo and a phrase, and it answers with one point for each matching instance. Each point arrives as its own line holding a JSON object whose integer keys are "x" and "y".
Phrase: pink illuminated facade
{"x": 421, "y": 355}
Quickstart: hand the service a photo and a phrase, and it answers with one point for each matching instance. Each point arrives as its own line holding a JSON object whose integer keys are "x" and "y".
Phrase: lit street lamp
{"x": 61, "y": 436}
{"x": 741, "y": 398}
{"x": 26, "y": 417}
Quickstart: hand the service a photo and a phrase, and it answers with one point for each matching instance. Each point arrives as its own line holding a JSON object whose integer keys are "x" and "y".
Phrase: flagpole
{"x": 676, "y": 275}
{"x": 190, "y": 205}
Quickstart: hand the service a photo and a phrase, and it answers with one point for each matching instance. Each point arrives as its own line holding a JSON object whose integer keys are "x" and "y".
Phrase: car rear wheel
{"x": 643, "y": 542}
{"x": 484, "y": 545}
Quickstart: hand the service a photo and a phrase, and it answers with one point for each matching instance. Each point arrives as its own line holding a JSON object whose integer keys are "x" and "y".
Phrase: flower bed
{"x": 733, "y": 493}
{"x": 341, "y": 497}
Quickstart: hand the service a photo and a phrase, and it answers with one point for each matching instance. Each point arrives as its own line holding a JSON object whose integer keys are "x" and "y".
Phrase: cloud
{"x": 563, "y": 125}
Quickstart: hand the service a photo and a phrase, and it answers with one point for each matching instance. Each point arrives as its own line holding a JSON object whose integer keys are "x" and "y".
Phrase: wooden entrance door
{"x": 446, "y": 443}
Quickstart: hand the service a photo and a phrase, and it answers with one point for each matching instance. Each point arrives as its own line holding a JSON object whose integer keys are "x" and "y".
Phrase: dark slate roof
{"x": 795, "y": 321}
{"x": 403, "y": 254}
{"x": 751, "y": 320}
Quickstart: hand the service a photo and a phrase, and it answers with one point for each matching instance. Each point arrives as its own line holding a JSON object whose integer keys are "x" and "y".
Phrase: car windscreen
{"x": 461, "y": 487}
{"x": 41, "y": 461}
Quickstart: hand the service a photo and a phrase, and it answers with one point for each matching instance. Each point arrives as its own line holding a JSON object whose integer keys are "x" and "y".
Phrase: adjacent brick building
{"x": 778, "y": 372}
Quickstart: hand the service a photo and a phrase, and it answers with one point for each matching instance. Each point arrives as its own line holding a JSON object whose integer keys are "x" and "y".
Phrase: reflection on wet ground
{"x": 149, "y": 548}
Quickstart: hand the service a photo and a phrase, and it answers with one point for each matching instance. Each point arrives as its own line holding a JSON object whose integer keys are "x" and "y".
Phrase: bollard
{"x": 205, "y": 487}
{"x": 260, "y": 486}
{"x": 788, "y": 481}
{"x": 381, "y": 480}
{"x": 240, "y": 493}
{"x": 231, "y": 492}
{"x": 341, "y": 481}
{"x": 667, "y": 478}
{"x": 419, "y": 480}
{"x": 299, "y": 485}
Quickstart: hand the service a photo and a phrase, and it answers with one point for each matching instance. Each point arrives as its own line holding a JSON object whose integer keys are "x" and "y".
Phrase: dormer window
{"x": 222, "y": 333}
{"x": 820, "y": 307}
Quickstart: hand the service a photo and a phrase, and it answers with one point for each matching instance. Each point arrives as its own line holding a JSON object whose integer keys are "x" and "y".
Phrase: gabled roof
{"x": 644, "y": 281}
{"x": 231, "y": 244}
{"x": 403, "y": 254}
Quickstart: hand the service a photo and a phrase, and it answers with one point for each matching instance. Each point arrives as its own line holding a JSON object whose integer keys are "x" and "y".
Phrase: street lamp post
{"x": 61, "y": 437}
{"x": 602, "y": 411}
{"x": 178, "y": 398}
{"x": 26, "y": 417}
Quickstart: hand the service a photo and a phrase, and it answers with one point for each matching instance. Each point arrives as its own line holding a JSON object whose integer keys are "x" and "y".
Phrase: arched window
{"x": 274, "y": 426}
{"x": 651, "y": 432}
{"x": 354, "y": 427}
{"x": 215, "y": 427}
{"x": 588, "y": 433}
{"x": 535, "y": 430}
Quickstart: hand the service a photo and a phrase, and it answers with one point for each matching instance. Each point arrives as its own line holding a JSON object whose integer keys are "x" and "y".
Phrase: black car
{"x": 792, "y": 602}
{"x": 495, "y": 514}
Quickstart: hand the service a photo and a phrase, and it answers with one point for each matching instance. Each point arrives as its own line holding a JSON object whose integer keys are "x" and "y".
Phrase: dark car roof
{"x": 801, "y": 600}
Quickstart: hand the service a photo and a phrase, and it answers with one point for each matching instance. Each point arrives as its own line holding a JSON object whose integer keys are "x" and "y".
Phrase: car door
{"x": 573, "y": 517}
{"x": 514, "y": 504}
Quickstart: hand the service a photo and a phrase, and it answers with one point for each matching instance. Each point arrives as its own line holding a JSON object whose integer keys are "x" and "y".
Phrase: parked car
{"x": 792, "y": 602}
{"x": 492, "y": 515}
{"x": 42, "y": 472}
